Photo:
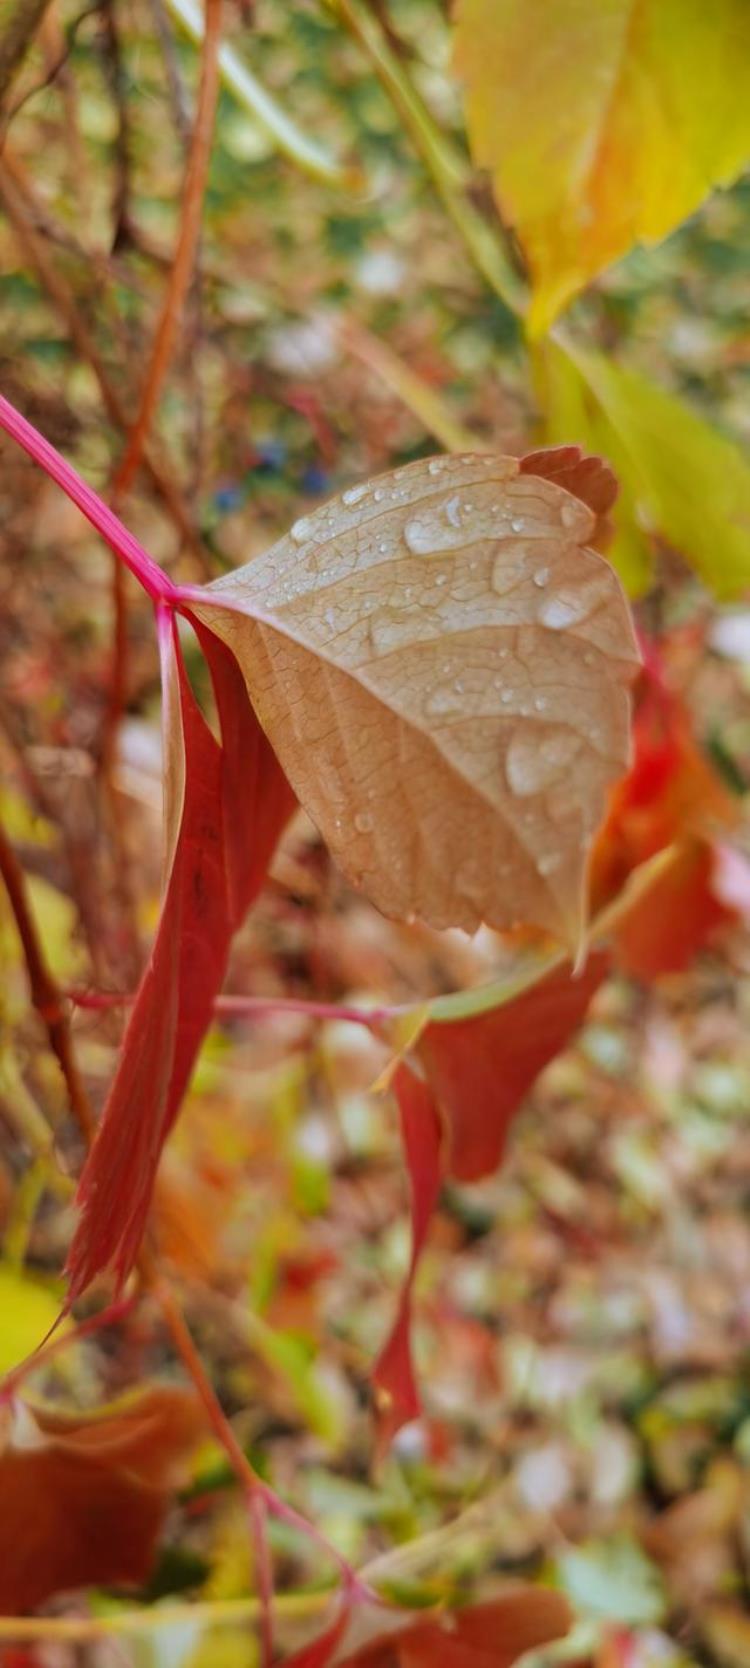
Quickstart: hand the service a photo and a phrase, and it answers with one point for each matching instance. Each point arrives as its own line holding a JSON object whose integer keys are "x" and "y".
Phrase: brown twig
{"x": 45, "y": 994}
{"x": 21, "y": 208}
{"x": 16, "y": 38}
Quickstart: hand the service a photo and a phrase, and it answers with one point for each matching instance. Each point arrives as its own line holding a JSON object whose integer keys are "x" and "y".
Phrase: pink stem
{"x": 148, "y": 573}
{"x": 251, "y": 1005}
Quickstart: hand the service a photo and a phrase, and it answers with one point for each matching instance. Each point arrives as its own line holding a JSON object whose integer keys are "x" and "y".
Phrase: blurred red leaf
{"x": 671, "y": 795}
{"x": 393, "y": 1376}
{"x": 481, "y": 1067}
{"x": 235, "y": 803}
{"x": 85, "y": 1496}
{"x": 491, "y": 1635}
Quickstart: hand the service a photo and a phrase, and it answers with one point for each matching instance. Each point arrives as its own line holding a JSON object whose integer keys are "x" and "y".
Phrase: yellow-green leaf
{"x": 28, "y": 1309}
{"x": 680, "y": 475}
{"x": 602, "y": 125}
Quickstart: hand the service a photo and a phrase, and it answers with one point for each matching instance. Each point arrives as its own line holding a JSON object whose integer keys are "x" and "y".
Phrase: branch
{"x": 16, "y": 38}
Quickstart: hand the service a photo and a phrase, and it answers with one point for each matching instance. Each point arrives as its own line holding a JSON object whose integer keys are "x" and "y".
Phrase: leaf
{"x": 613, "y": 1579}
{"x": 397, "y": 1398}
{"x": 480, "y": 1068}
{"x": 229, "y": 803}
{"x": 29, "y": 1310}
{"x": 686, "y": 479}
{"x": 489, "y": 1635}
{"x": 477, "y": 1068}
{"x": 569, "y": 409}
{"x": 89, "y": 1492}
{"x": 588, "y": 478}
{"x": 441, "y": 668}
{"x": 602, "y": 126}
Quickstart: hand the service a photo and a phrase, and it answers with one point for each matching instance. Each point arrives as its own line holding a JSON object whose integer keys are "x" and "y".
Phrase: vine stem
{"x": 162, "y": 350}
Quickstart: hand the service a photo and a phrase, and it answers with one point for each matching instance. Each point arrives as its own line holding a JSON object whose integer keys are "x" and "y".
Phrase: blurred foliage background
{"x": 582, "y": 1320}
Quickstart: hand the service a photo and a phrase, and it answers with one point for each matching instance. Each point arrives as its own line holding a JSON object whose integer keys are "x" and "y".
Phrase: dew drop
{"x": 418, "y": 537}
{"x": 301, "y": 530}
{"x": 568, "y": 515}
{"x": 353, "y": 494}
{"x": 378, "y": 494}
{"x": 382, "y": 548}
{"x": 565, "y": 610}
{"x": 441, "y": 578}
{"x": 535, "y": 761}
{"x": 518, "y": 524}
{"x": 547, "y": 864}
{"x": 453, "y": 511}
{"x": 540, "y": 577}
{"x": 540, "y": 703}
{"x": 507, "y": 697}
{"x": 363, "y": 822}
{"x": 330, "y": 618}
{"x": 445, "y": 699}
{"x": 435, "y": 466}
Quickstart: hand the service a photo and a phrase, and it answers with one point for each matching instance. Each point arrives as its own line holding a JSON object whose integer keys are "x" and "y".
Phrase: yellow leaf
{"x": 689, "y": 481}
{"x": 441, "y": 667}
{"x": 602, "y": 125}
{"x": 28, "y": 1310}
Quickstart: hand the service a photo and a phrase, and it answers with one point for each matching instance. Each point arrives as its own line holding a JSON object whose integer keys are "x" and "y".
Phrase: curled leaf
{"x": 441, "y": 666}
{"x": 86, "y": 1495}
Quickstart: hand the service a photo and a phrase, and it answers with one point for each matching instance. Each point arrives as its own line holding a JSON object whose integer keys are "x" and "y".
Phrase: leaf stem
{"x": 154, "y": 580}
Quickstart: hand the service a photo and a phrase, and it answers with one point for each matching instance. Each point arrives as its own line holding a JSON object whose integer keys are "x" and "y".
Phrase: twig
{"x": 45, "y": 993}
{"x": 240, "y": 81}
{"x": 21, "y": 209}
{"x": 161, "y": 353}
{"x": 16, "y": 38}
{"x": 115, "y": 72}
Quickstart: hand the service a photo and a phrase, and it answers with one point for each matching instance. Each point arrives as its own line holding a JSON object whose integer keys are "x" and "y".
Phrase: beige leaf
{"x": 442, "y": 669}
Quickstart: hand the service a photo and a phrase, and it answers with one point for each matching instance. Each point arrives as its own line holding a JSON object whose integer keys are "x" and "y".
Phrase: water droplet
{"x": 330, "y": 618}
{"x": 453, "y": 511}
{"x": 443, "y": 700}
{"x": 540, "y": 577}
{"x": 419, "y": 537}
{"x": 540, "y": 703}
{"x": 568, "y": 515}
{"x": 459, "y": 686}
{"x": 353, "y": 494}
{"x": 441, "y": 578}
{"x": 382, "y": 548}
{"x": 435, "y": 466}
{"x": 518, "y": 523}
{"x": 378, "y": 494}
{"x": 534, "y": 761}
{"x": 363, "y": 822}
{"x": 565, "y": 610}
{"x": 507, "y": 697}
{"x": 301, "y": 530}
{"x": 547, "y": 864}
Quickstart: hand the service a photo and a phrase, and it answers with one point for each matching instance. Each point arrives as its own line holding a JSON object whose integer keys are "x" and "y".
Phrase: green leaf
{"x": 613, "y": 1579}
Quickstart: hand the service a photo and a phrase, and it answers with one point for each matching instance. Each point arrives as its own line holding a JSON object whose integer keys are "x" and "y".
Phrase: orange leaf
{"x": 85, "y": 1496}
{"x": 588, "y": 478}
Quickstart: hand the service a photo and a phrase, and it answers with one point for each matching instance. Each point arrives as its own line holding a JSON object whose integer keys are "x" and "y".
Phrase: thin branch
{"x": 240, "y": 81}
{"x": 16, "y": 38}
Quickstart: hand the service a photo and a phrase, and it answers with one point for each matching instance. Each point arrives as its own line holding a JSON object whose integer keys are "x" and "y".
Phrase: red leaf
{"x": 491, "y": 1635}
{"x": 319, "y": 1652}
{"x": 85, "y": 1496}
{"x": 587, "y": 478}
{"x": 397, "y": 1396}
{"x": 480, "y": 1068}
{"x": 235, "y": 803}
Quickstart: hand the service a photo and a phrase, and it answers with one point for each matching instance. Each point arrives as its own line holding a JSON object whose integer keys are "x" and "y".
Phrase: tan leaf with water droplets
{"x": 442, "y": 668}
